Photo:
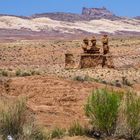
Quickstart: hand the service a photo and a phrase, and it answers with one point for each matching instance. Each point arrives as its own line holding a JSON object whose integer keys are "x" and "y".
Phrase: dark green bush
{"x": 79, "y": 78}
{"x": 102, "y": 109}
{"x": 18, "y": 73}
{"x": 4, "y": 73}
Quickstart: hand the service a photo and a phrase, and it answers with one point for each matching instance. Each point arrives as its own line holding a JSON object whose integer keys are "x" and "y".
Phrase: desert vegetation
{"x": 103, "y": 108}
{"x": 15, "y": 121}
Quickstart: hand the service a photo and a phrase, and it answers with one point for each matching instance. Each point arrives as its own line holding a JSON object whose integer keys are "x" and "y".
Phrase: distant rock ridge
{"x": 138, "y": 17}
{"x": 87, "y": 14}
{"x": 67, "y": 25}
{"x": 98, "y": 12}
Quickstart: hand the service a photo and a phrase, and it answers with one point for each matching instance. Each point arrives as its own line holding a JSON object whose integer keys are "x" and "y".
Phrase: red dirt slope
{"x": 55, "y": 101}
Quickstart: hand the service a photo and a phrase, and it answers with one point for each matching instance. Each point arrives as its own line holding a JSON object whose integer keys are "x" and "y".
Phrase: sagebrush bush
{"x": 12, "y": 119}
{"x": 86, "y": 78}
{"x": 33, "y": 72}
{"x": 37, "y": 133}
{"x": 133, "y": 115}
{"x": 57, "y": 133}
{"x": 4, "y": 73}
{"x": 79, "y": 78}
{"x": 76, "y": 130}
{"x": 25, "y": 73}
{"x": 18, "y": 72}
{"x": 102, "y": 109}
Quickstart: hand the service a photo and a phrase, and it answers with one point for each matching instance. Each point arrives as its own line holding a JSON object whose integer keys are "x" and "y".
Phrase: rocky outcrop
{"x": 93, "y": 13}
{"x": 88, "y": 61}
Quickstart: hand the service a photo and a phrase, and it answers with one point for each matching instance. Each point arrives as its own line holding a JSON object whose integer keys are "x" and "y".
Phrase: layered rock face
{"x": 93, "y": 13}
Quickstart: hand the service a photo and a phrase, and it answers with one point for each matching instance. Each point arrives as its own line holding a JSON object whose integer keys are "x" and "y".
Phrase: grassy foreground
{"x": 111, "y": 114}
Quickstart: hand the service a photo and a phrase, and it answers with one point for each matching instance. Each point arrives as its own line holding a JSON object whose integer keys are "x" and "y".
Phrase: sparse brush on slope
{"x": 23, "y": 73}
{"x": 86, "y": 78}
{"x": 4, "y": 73}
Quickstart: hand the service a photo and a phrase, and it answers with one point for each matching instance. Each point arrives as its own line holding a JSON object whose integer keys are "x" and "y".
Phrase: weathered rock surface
{"x": 97, "y": 13}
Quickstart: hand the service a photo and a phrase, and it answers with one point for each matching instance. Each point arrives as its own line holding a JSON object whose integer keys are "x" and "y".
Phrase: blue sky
{"x": 29, "y": 7}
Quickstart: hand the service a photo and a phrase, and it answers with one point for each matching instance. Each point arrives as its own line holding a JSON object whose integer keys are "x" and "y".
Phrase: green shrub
{"x": 57, "y": 133}
{"x": 79, "y": 78}
{"x": 133, "y": 115}
{"x": 85, "y": 78}
{"x": 76, "y": 130}
{"x": 13, "y": 118}
{"x": 4, "y": 73}
{"x": 33, "y": 72}
{"x": 102, "y": 109}
{"x": 18, "y": 73}
{"x": 25, "y": 73}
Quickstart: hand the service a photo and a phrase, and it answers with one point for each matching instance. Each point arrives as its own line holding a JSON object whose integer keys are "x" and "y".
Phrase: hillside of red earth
{"x": 56, "y": 95}
{"x": 54, "y": 101}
